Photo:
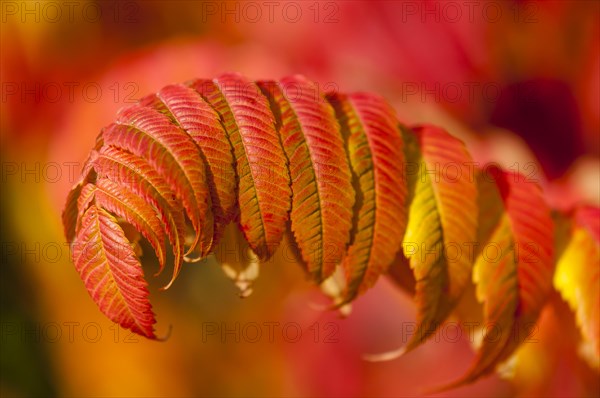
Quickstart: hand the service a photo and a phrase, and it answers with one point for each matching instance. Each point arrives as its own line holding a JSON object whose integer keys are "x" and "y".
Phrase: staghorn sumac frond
{"x": 239, "y": 162}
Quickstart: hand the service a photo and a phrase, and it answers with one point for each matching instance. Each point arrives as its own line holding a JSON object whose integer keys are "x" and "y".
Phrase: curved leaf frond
{"x": 213, "y": 164}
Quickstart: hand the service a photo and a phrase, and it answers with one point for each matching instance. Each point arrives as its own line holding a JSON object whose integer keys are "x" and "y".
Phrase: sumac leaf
{"x": 577, "y": 276}
{"x": 442, "y": 218}
{"x": 151, "y": 135}
{"x": 140, "y": 178}
{"x": 322, "y": 193}
{"x": 513, "y": 273}
{"x": 197, "y": 118}
{"x": 376, "y": 152}
{"x": 357, "y": 192}
{"x": 263, "y": 195}
{"x": 111, "y": 272}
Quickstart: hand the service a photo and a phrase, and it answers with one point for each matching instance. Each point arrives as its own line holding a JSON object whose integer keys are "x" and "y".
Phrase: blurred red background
{"x": 519, "y": 81}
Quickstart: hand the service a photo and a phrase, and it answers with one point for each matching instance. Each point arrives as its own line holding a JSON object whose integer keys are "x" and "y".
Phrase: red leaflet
{"x": 376, "y": 152}
{"x": 514, "y": 286}
{"x": 123, "y": 203}
{"x": 322, "y": 193}
{"x": 86, "y": 198}
{"x": 140, "y": 178}
{"x": 197, "y": 118}
{"x": 442, "y": 216}
{"x": 263, "y": 196}
{"x": 151, "y": 135}
{"x": 111, "y": 272}
{"x": 71, "y": 213}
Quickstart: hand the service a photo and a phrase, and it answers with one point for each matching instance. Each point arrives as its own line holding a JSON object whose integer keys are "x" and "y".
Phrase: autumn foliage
{"x": 358, "y": 192}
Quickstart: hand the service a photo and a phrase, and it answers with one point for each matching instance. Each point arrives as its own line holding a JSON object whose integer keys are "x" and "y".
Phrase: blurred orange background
{"x": 519, "y": 81}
